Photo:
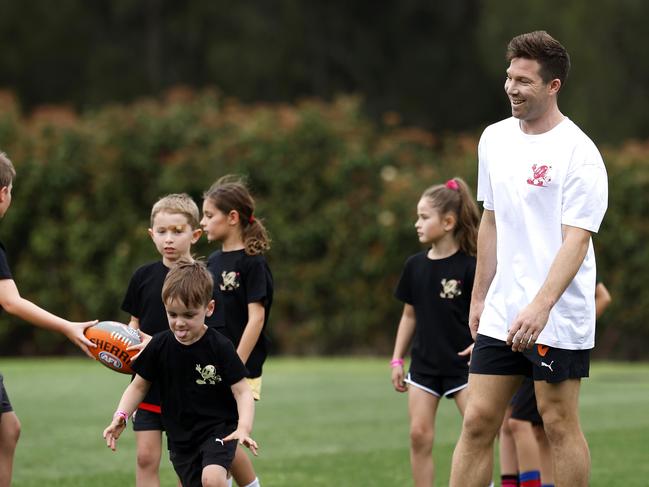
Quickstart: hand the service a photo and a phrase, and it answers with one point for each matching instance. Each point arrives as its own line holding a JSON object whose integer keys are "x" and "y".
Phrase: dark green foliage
{"x": 337, "y": 192}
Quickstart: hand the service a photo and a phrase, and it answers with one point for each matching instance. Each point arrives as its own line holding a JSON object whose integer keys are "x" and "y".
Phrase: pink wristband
{"x": 121, "y": 414}
{"x": 397, "y": 362}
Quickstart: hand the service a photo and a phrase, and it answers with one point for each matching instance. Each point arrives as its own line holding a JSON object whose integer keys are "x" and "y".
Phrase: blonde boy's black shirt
{"x": 143, "y": 299}
{"x": 241, "y": 279}
{"x": 196, "y": 401}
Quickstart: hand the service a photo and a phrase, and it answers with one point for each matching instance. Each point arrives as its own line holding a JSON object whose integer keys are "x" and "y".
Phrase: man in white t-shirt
{"x": 544, "y": 188}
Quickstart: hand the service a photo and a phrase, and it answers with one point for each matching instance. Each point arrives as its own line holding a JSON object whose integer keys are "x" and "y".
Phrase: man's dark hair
{"x": 546, "y": 50}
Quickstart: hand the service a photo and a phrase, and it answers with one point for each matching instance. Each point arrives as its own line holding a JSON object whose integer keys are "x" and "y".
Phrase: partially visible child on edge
{"x": 13, "y": 303}
{"x": 243, "y": 288}
{"x": 525, "y": 457}
{"x": 435, "y": 287}
{"x": 174, "y": 229}
{"x": 208, "y": 405}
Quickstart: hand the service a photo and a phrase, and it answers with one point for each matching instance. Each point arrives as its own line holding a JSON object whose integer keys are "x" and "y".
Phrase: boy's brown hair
{"x": 7, "y": 170}
{"x": 189, "y": 282}
{"x": 178, "y": 203}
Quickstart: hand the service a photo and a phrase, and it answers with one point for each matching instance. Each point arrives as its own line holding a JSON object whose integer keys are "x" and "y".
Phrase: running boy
{"x": 206, "y": 403}
{"x": 13, "y": 303}
{"x": 174, "y": 229}
{"x": 244, "y": 285}
{"x": 435, "y": 287}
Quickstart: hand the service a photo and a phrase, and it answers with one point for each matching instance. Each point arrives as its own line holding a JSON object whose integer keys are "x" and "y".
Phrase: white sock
{"x": 230, "y": 482}
{"x": 254, "y": 483}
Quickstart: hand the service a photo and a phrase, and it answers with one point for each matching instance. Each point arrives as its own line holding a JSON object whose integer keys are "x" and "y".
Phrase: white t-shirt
{"x": 534, "y": 184}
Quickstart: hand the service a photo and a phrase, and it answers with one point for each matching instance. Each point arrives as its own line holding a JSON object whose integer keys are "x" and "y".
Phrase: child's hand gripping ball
{"x": 112, "y": 340}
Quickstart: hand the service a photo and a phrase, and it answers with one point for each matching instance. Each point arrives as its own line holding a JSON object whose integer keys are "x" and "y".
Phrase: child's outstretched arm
{"x": 246, "y": 408}
{"x": 133, "y": 395}
{"x": 404, "y": 337}
{"x": 252, "y": 331}
{"x": 13, "y": 303}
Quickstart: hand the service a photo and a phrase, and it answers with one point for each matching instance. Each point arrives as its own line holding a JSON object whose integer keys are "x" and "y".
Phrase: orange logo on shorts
{"x": 542, "y": 350}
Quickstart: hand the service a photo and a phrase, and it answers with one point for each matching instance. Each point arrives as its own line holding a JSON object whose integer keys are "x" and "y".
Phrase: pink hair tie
{"x": 251, "y": 219}
{"x": 452, "y": 184}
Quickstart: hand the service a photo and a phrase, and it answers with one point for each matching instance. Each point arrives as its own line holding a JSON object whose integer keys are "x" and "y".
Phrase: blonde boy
{"x": 174, "y": 229}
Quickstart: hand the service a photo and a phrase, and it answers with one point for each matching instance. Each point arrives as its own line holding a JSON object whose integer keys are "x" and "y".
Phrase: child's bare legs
{"x": 242, "y": 469}
{"x": 9, "y": 434}
{"x": 422, "y": 407}
{"x": 547, "y": 477}
{"x": 214, "y": 476}
{"x": 508, "y": 463}
{"x": 149, "y": 451}
{"x": 527, "y": 449}
{"x": 460, "y": 398}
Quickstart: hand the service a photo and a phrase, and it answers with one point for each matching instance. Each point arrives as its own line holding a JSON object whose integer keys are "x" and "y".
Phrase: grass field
{"x": 322, "y": 422}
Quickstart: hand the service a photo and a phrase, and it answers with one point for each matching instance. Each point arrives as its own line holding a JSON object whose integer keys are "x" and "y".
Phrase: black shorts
{"x": 5, "y": 404}
{"x": 145, "y": 420}
{"x": 524, "y": 404}
{"x": 438, "y": 385}
{"x": 213, "y": 451}
{"x": 495, "y": 357}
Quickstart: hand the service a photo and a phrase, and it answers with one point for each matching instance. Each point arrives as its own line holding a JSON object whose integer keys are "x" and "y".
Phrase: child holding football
{"x": 207, "y": 404}
{"x": 243, "y": 288}
{"x": 13, "y": 303}
{"x": 174, "y": 229}
{"x": 435, "y": 287}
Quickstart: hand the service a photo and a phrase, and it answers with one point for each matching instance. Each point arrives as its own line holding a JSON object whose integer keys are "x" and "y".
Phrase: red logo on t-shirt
{"x": 540, "y": 175}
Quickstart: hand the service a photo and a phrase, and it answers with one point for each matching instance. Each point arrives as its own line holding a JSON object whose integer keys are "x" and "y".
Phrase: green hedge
{"x": 337, "y": 192}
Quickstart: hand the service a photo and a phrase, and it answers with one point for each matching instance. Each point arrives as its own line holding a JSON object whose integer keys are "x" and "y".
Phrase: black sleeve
{"x": 256, "y": 280}
{"x": 130, "y": 303}
{"x": 403, "y": 291}
{"x": 5, "y": 271}
{"x": 146, "y": 365}
{"x": 230, "y": 363}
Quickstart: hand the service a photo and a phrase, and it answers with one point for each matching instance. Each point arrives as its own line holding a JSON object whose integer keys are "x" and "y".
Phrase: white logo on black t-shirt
{"x": 208, "y": 375}
{"x": 230, "y": 281}
{"x": 451, "y": 288}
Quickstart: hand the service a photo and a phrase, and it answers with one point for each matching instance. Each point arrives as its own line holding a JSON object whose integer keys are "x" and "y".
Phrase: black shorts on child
{"x": 495, "y": 357}
{"x": 438, "y": 385}
{"x": 145, "y": 420}
{"x": 189, "y": 466}
{"x": 5, "y": 404}
{"x": 524, "y": 404}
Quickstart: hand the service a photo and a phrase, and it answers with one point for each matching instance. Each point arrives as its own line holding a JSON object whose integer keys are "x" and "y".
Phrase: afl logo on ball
{"x": 110, "y": 360}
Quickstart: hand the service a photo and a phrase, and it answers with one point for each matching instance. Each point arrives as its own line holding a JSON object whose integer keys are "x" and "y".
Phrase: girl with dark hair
{"x": 435, "y": 287}
{"x": 243, "y": 285}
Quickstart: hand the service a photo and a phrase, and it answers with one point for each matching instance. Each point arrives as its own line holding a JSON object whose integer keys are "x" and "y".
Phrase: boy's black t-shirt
{"x": 240, "y": 279}
{"x": 143, "y": 300}
{"x": 143, "y": 297}
{"x": 440, "y": 292}
{"x": 194, "y": 382}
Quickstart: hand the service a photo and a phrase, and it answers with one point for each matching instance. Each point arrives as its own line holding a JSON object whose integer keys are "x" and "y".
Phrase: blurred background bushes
{"x": 440, "y": 64}
{"x": 336, "y": 189}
